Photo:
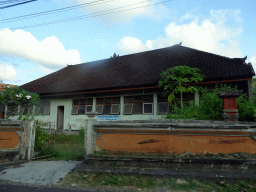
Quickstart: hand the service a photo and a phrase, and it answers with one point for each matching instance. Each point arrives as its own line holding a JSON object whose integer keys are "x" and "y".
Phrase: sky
{"x": 80, "y": 31}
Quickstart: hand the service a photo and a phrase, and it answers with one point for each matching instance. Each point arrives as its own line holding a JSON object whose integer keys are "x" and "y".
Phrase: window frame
{"x": 86, "y": 111}
{"x": 141, "y": 102}
{"x": 87, "y": 102}
{"x": 168, "y": 108}
{"x": 185, "y": 96}
{"x": 131, "y": 109}
{"x": 43, "y": 104}
{"x": 12, "y": 106}
{"x": 112, "y": 102}
{"x": 101, "y": 109}
{"x": 144, "y": 108}
{"x": 111, "y": 111}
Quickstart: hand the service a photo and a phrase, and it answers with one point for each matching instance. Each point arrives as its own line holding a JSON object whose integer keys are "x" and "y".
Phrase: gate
{"x": 44, "y": 139}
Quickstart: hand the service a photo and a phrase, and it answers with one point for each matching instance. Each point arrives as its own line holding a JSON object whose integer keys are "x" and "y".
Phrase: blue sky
{"x": 225, "y": 28}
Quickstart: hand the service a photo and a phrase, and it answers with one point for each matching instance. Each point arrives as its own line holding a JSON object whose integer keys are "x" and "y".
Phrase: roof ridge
{"x": 172, "y": 46}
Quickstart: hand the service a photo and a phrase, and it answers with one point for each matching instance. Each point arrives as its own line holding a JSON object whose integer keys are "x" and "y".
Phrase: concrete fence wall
{"x": 17, "y": 138}
{"x": 178, "y": 136}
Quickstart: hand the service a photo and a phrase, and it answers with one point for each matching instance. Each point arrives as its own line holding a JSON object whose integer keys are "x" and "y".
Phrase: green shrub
{"x": 40, "y": 138}
{"x": 246, "y": 109}
{"x": 211, "y": 106}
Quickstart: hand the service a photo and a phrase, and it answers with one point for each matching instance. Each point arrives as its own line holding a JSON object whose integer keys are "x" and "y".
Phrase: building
{"x": 125, "y": 87}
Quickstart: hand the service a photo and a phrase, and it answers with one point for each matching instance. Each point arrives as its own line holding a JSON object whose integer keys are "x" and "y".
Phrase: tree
{"x": 174, "y": 79}
{"x": 13, "y": 97}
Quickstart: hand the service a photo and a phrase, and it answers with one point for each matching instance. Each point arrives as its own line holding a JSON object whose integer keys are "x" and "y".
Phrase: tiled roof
{"x": 2, "y": 89}
{"x": 138, "y": 69}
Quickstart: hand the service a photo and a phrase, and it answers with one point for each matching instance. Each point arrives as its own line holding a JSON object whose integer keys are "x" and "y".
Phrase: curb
{"x": 173, "y": 160}
{"x": 230, "y": 176}
{"x": 5, "y": 164}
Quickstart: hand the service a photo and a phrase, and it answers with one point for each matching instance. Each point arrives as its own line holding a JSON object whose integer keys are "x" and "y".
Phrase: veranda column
{"x": 89, "y": 143}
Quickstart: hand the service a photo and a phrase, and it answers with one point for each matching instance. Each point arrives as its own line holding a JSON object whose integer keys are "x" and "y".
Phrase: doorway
{"x": 60, "y": 117}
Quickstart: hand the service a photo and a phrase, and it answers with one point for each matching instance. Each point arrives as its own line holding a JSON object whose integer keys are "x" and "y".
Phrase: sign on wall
{"x": 108, "y": 117}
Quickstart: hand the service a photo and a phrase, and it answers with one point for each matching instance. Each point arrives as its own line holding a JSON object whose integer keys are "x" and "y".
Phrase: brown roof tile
{"x": 2, "y": 89}
{"x": 138, "y": 70}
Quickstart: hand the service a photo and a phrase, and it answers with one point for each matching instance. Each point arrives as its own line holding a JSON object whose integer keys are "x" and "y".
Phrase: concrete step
{"x": 173, "y": 163}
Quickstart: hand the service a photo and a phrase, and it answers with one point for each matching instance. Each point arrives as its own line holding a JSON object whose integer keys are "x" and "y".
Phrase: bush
{"x": 246, "y": 109}
{"x": 211, "y": 106}
{"x": 40, "y": 138}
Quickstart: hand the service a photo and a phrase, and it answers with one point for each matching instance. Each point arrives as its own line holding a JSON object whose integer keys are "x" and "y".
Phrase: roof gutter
{"x": 136, "y": 88}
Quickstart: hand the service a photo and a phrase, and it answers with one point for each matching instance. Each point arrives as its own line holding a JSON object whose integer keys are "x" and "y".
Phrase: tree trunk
{"x": 181, "y": 102}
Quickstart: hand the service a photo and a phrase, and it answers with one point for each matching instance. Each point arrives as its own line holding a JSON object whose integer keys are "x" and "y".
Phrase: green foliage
{"x": 211, "y": 106}
{"x": 40, "y": 138}
{"x": 246, "y": 110}
{"x": 18, "y": 96}
{"x": 26, "y": 117}
{"x": 81, "y": 132}
{"x": 174, "y": 79}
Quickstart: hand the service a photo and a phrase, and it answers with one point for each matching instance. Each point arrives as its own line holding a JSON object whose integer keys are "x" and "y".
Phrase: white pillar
{"x": 5, "y": 112}
{"x": 89, "y": 140}
{"x": 121, "y": 107}
{"x": 155, "y": 104}
{"x": 249, "y": 83}
{"x": 196, "y": 98}
{"x": 94, "y": 104}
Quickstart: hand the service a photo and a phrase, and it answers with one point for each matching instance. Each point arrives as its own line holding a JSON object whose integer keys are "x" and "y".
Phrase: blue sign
{"x": 108, "y": 117}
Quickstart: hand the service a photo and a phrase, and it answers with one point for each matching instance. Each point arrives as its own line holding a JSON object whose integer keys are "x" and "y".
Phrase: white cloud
{"x": 7, "y": 72}
{"x": 253, "y": 62}
{"x": 130, "y": 45}
{"x": 50, "y": 52}
{"x": 119, "y": 6}
{"x": 213, "y": 35}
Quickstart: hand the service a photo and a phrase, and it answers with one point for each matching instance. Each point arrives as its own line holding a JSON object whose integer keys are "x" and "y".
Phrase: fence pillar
{"x": 89, "y": 140}
{"x": 27, "y": 148}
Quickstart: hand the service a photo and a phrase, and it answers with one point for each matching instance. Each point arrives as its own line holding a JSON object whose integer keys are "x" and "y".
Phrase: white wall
{"x": 78, "y": 121}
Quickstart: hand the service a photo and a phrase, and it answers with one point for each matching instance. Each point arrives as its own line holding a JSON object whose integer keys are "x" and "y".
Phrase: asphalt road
{"x": 20, "y": 188}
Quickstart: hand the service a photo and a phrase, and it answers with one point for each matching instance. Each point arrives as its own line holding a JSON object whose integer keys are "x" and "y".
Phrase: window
{"x": 127, "y": 109}
{"x": 37, "y": 109}
{"x": 45, "y": 108}
{"x": 16, "y": 110}
{"x": 27, "y": 110}
{"x": 163, "y": 106}
{"x": 13, "y": 109}
{"x": 108, "y": 105}
{"x": 99, "y": 109}
{"x": 140, "y": 104}
{"x": 148, "y": 108}
{"x": 74, "y": 110}
{"x": 82, "y": 106}
{"x": 114, "y": 109}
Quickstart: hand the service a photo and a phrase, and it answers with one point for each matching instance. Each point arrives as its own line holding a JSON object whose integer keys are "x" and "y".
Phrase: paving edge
{"x": 231, "y": 176}
{"x": 174, "y": 160}
{"x": 4, "y": 164}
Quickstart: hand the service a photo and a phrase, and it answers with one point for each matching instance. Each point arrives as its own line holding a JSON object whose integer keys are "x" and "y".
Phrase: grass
{"x": 143, "y": 182}
{"x": 67, "y": 147}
